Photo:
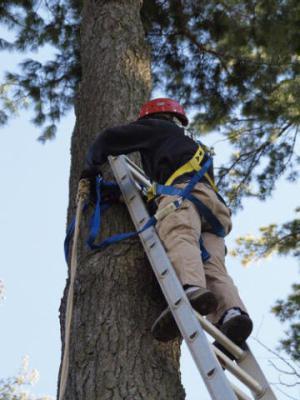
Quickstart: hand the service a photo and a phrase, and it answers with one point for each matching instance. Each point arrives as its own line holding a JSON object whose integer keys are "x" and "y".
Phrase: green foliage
{"x": 264, "y": 154}
{"x": 238, "y": 64}
{"x": 282, "y": 240}
{"x": 48, "y": 86}
{"x": 289, "y": 310}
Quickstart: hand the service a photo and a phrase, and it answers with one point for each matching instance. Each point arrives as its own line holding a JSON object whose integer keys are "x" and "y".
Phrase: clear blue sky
{"x": 34, "y": 180}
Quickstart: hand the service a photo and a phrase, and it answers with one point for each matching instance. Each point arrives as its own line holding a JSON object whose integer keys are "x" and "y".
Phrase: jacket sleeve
{"x": 122, "y": 139}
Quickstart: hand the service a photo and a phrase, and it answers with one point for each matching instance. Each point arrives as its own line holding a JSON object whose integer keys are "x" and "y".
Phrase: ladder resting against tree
{"x": 210, "y": 361}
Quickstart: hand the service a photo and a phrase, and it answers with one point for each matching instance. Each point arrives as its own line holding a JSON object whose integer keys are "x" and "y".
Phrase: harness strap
{"x": 211, "y": 182}
{"x": 172, "y": 190}
{"x": 203, "y": 210}
{"x": 95, "y": 223}
{"x": 196, "y": 178}
{"x": 185, "y": 193}
{"x": 192, "y": 165}
{"x": 204, "y": 253}
{"x": 216, "y": 226}
{"x": 100, "y": 207}
{"x": 120, "y": 236}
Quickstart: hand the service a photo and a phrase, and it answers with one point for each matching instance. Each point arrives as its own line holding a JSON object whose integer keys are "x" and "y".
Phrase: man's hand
{"x": 90, "y": 175}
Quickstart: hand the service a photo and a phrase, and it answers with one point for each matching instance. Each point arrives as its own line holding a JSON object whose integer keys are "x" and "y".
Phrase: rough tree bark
{"x": 112, "y": 352}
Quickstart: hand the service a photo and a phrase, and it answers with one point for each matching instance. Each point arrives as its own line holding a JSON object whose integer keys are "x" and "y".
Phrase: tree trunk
{"x": 116, "y": 299}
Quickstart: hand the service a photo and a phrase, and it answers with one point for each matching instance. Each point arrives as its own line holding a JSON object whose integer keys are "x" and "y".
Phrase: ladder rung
{"x": 135, "y": 166}
{"x": 239, "y": 373}
{"x": 235, "y": 350}
{"x": 137, "y": 174}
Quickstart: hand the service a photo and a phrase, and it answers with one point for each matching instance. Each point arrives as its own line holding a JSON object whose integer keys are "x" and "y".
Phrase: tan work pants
{"x": 180, "y": 233}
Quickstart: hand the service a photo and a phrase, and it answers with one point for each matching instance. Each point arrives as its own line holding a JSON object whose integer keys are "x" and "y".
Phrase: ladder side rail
{"x": 205, "y": 360}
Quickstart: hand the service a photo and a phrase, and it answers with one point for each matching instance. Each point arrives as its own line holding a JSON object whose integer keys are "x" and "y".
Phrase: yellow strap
{"x": 192, "y": 165}
{"x": 211, "y": 182}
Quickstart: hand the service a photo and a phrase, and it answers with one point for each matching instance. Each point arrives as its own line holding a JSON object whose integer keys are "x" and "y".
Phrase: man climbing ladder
{"x": 182, "y": 173}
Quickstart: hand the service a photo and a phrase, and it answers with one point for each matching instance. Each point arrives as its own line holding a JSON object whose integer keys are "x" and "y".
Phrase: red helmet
{"x": 162, "y": 105}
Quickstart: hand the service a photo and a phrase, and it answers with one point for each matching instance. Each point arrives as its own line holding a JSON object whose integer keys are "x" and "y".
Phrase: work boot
{"x": 237, "y": 326}
{"x": 202, "y": 300}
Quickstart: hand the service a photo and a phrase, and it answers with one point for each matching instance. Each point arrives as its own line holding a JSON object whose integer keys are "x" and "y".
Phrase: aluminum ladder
{"x": 133, "y": 183}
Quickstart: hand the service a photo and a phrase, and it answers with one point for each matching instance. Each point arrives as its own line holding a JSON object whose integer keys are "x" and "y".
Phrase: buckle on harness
{"x": 151, "y": 192}
{"x": 168, "y": 209}
{"x": 195, "y": 162}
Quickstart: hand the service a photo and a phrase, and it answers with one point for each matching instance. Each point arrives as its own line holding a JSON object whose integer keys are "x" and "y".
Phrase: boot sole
{"x": 165, "y": 327}
{"x": 238, "y": 329}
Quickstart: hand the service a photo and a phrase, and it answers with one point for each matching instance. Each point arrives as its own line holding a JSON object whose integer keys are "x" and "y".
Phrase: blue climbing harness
{"x": 165, "y": 190}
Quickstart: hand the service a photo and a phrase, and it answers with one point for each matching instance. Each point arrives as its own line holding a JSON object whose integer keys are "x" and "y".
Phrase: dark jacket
{"x": 162, "y": 144}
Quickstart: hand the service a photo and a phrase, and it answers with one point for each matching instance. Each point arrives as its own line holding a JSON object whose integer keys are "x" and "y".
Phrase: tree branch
{"x": 293, "y": 369}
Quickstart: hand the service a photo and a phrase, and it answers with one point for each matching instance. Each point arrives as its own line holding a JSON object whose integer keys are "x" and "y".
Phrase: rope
{"x": 82, "y": 195}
